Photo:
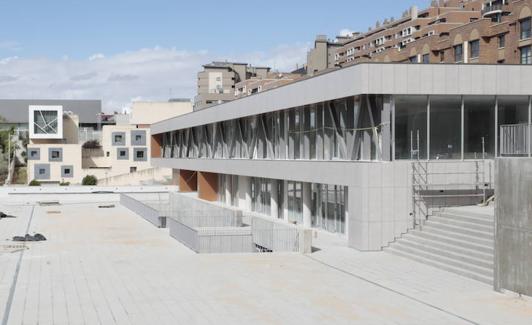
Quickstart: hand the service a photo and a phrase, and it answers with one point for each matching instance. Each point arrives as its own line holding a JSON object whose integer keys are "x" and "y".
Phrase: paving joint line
{"x": 391, "y": 290}
{"x": 9, "y": 302}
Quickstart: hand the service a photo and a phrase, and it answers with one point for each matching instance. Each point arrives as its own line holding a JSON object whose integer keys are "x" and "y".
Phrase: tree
{"x": 89, "y": 180}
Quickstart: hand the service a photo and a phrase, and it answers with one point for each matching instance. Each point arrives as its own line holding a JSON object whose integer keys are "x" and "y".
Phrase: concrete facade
{"x": 513, "y": 224}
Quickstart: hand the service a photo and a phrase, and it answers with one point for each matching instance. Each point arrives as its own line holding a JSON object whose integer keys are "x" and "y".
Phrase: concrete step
{"x": 486, "y": 221}
{"x": 463, "y": 237}
{"x": 461, "y": 211}
{"x": 445, "y": 246}
{"x": 484, "y": 271}
{"x": 442, "y": 266}
{"x": 459, "y": 230}
{"x": 467, "y": 244}
{"x": 451, "y": 253}
{"x": 462, "y": 224}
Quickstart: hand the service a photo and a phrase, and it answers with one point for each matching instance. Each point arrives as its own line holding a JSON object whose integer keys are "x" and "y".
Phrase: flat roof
{"x": 16, "y": 110}
{"x": 367, "y": 78}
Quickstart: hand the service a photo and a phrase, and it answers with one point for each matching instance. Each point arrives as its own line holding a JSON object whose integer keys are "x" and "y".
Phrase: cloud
{"x": 96, "y": 56}
{"x": 345, "y": 32}
{"x": 122, "y": 77}
{"x": 5, "y": 79}
{"x": 10, "y": 46}
{"x": 150, "y": 73}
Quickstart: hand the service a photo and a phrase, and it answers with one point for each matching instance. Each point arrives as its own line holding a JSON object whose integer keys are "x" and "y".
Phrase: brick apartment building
{"x": 452, "y": 31}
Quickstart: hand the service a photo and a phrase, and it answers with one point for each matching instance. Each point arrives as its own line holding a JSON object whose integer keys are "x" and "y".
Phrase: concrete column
{"x": 273, "y": 202}
{"x": 227, "y": 189}
{"x": 386, "y": 133}
{"x": 285, "y": 200}
{"x": 208, "y": 186}
{"x": 188, "y": 181}
{"x": 175, "y": 177}
{"x": 307, "y": 205}
{"x": 366, "y": 145}
{"x": 466, "y": 52}
{"x": 244, "y": 193}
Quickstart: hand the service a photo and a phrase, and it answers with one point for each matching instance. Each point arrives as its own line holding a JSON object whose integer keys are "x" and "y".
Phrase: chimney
{"x": 413, "y": 12}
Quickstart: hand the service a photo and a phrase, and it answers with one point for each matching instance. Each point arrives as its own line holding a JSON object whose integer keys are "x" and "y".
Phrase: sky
{"x": 120, "y": 51}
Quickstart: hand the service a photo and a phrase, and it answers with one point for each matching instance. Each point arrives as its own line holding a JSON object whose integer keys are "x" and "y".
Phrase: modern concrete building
{"x": 14, "y": 112}
{"x": 340, "y": 151}
{"x": 451, "y": 31}
{"x": 59, "y": 152}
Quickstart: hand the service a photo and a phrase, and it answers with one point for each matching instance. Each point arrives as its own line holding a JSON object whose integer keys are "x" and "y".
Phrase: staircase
{"x": 459, "y": 240}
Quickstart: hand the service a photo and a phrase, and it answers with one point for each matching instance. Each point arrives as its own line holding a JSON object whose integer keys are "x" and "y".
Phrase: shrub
{"x": 35, "y": 182}
{"x": 64, "y": 184}
{"x": 91, "y": 144}
{"x": 89, "y": 180}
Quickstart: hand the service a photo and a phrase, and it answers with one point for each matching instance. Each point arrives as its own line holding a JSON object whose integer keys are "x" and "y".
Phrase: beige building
{"x": 271, "y": 81}
{"x": 57, "y": 155}
{"x": 217, "y": 82}
{"x": 143, "y": 113}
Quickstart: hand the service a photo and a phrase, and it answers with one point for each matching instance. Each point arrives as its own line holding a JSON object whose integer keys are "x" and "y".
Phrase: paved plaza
{"x": 109, "y": 266}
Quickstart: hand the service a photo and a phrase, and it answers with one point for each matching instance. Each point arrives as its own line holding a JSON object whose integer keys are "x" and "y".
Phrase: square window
{"x": 33, "y": 154}
{"x": 140, "y": 154}
{"x": 138, "y": 137}
{"x": 118, "y": 138}
{"x": 132, "y": 169}
{"x": 122, "y": 153}
{"x": 67, "y": 171}
{"x": 55, "y": 154}
{"x": 42, "y": 171}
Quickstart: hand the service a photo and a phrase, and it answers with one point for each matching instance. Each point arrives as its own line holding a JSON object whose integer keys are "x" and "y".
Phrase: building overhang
{"x": 367, "y": 78}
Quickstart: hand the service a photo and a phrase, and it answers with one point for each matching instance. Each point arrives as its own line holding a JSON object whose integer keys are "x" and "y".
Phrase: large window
{"x": 474, "y": 49}
{"x": 512, "y": 110}
{"x": 328, "y": 207}
{"x": 445, "y": 127}
{"x": 458, "y": 53}
{"x": 526, "y": 28}
{"x": 526, "y": 55}
{"x": 426, "y": 58}
{"x": 295, "y": 202}
{"x": 479, "y": 127}
{"x": 502, "y": 40}
{"x": 261, "y": 189}
{"x": 411, "y": 127}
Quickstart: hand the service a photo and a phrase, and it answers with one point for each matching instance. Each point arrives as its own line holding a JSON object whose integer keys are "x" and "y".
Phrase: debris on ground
{"x": 48, "y": 203}
{"x": 4, "y": 216}
{"x": 28, "y": 237}
{"x": 106, "y": 206}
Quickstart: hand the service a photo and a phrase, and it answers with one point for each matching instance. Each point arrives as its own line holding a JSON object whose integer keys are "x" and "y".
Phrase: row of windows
{"x": 359, "y": 128}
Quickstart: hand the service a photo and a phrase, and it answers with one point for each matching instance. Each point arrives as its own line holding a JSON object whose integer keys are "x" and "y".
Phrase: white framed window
{"x": 46, "y": 122}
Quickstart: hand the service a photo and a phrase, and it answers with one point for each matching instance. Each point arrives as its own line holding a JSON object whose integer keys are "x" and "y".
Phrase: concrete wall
{"x": 513, "y": 225}
{"x": 152, "y": 112}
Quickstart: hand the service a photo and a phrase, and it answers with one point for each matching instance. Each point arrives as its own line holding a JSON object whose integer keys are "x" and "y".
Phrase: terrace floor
{"x": 109, "y": 266}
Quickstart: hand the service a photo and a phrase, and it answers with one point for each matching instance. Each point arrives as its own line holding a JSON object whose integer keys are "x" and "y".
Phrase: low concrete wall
{"x": 513, "y": 225}
{"x": 279, "y": 236}
{"x": 209, "y": 240}
{"x": 144, "y": 210}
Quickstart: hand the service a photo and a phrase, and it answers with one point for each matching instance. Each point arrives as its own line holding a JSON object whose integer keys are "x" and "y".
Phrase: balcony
{"x": 493, "y": 9}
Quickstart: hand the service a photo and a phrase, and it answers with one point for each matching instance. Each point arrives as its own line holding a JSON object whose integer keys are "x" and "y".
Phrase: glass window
{"x": 426, "y": 58}
{"x": 445, "y": 127}
{"x": 502, "y": 40}
{"x": 475, "y": 49}
{"x": 479, "y": 127}
{"x": 140, "y": 154}
{"x": 458, "y": 53}
{"x": 261, "y": 189}
{"x": 56, "y": 154}
{"x": 511, "y": 110}
{"x": 412, "y": 59}
{"x": 526, "y": 55}
{"x": 295, "y": 202}
{"x": 411, "y": 125}
{"x": 526, "y": 28}
{"x": 118, "y": 138}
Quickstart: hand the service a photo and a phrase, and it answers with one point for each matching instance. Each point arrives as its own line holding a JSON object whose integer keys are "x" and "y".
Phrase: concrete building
{"x": 146, "y": 113}
{"x": 323, "y": 55}
{"x": 57, "y": 153}
{"x": 272, "y": 80}
{"x": 336, "y": 151}
{"x": 216, "y": 83}
{"x": 452, "y": 31}
{"x": 14, "y": 112}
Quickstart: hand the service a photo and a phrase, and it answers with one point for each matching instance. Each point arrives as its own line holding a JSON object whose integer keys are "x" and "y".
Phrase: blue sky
{"x": 57, "y": 38}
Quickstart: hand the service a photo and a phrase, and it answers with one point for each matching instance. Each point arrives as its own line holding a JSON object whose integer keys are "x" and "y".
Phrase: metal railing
{"x": 438, "y": 184}
{"x": 515, "y": 140}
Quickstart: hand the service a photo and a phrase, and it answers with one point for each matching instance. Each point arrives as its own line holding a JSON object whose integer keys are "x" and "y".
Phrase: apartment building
{"x": 272, "y": 80}
{"x": 216, "y": 83}
{"x": 335, "y": 152}
{"x": 452, "y": 31}
{"x": 59, "y": 152}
